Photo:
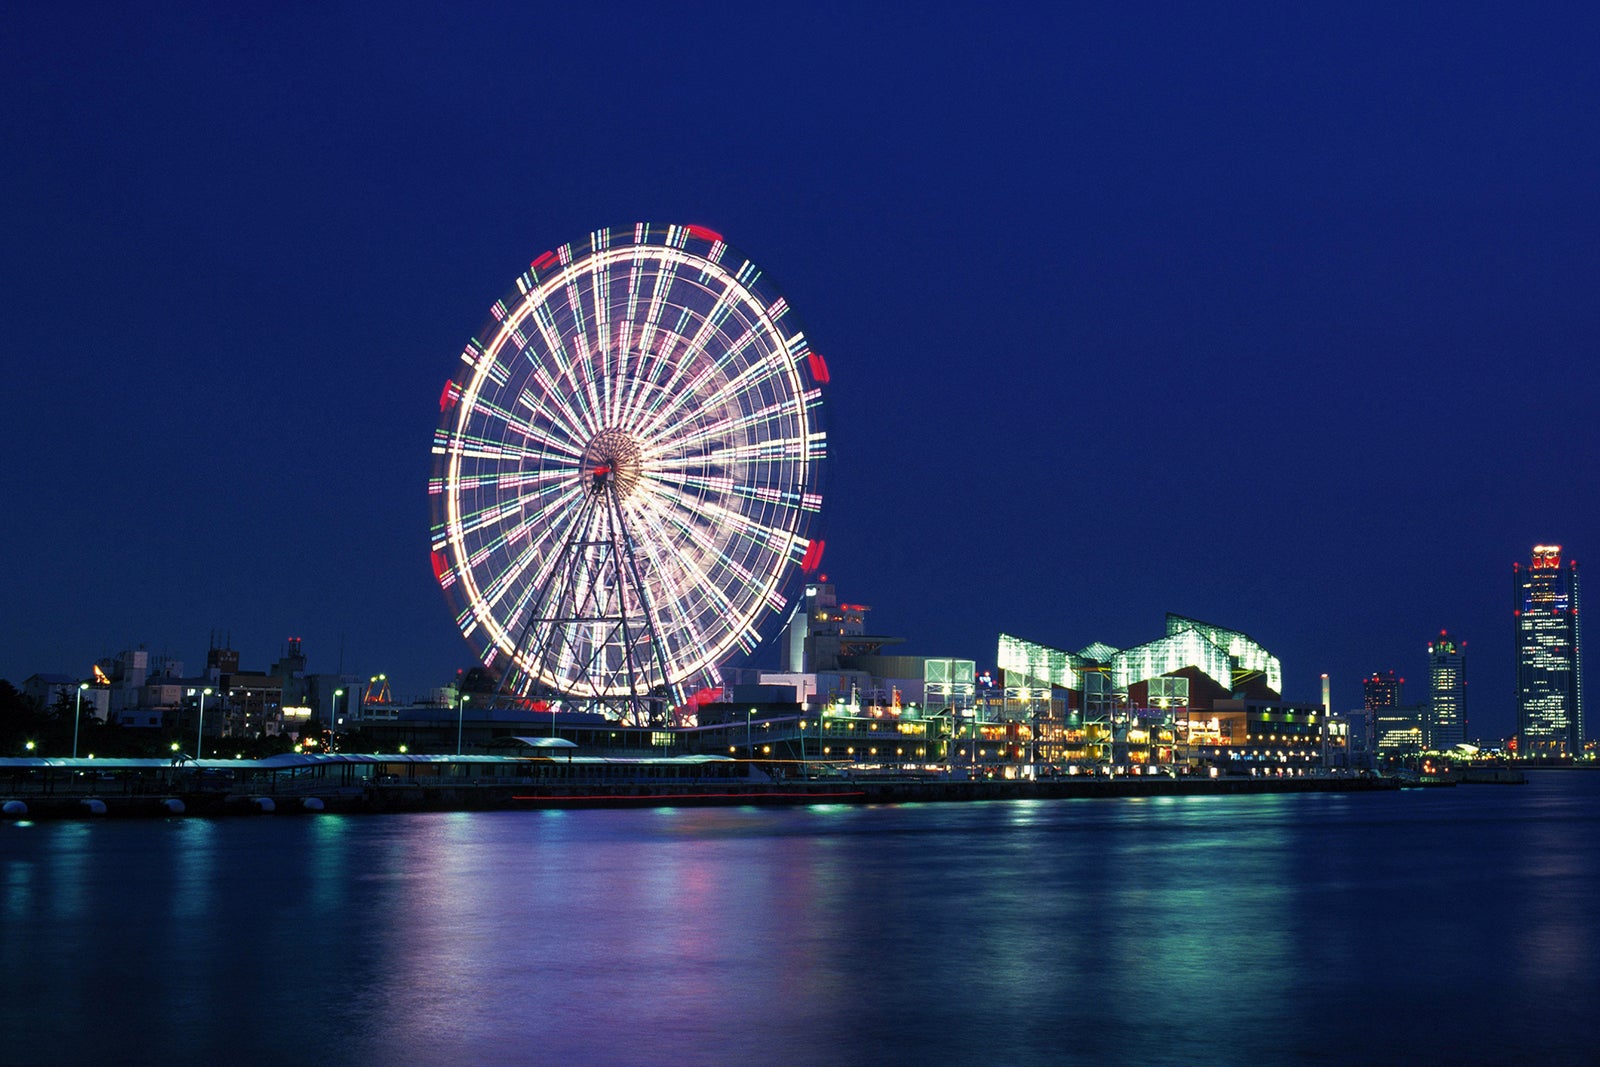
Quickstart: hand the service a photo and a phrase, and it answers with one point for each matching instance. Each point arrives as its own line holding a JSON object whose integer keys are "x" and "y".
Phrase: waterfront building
{"x": 1265, "y": 733}
{"x": 1201, "y": 693}
{"x": 824, "y": 631}
{"x": 1549, "y": 665}
{"x": 1350, "y": 740}
{"x": 1399, "y": 729}
{"x": 1446, "y": 722}
{"x": 1381, "y": 689}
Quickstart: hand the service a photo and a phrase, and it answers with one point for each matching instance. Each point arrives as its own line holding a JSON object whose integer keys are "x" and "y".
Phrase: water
{"x": 1428, "y": 926}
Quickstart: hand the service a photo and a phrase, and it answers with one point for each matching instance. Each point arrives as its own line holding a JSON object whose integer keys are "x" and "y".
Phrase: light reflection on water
{"x": 1322, "y": 928}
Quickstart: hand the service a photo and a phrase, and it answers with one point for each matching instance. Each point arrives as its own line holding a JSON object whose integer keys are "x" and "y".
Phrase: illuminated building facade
{"x": 824, "y": 629}
{"x": 1201, "y": 693}
{"x": 1399, "y": 728}
{"x": 1549, "y": 666}
{"x": 1381, "y": 689}
{"x": 1446, "y": 722}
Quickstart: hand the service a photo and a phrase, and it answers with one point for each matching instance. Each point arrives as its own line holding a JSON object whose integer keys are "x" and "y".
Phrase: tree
{"x": 22, "y": 719}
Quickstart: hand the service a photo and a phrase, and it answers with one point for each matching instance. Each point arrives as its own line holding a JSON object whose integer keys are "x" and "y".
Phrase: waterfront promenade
{"x": 81, "y": 797}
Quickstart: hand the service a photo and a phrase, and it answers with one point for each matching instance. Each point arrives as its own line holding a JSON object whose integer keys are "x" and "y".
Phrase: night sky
{"x": 1281, "y": 318}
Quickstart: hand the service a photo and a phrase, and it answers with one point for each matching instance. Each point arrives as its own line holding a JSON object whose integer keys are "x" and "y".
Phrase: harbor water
{"x": 1421, "y": 926}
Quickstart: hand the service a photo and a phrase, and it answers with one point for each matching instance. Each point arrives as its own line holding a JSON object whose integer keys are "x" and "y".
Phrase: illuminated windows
{"x": 1549, "y": 667}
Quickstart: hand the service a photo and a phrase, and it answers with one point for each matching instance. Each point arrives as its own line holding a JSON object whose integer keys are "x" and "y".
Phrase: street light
{"x": 77, "y": 717}
{"x": 749, "y": 749}
{"x": 461, "y": 711}
{"x": 200, "y": 731}
{"x": 333, "y": 718}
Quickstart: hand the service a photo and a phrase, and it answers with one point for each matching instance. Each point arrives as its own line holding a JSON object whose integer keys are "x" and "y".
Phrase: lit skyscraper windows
{"x": 1549, "y": 670}
{"x": 1446, "y": 724}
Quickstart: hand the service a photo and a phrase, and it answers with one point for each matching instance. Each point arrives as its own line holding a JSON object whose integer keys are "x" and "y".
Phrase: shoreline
{"x": 385, "y": 798}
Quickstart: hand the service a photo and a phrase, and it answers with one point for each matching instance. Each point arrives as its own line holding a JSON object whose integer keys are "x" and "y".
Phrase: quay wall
{"x": 379, "y": 798}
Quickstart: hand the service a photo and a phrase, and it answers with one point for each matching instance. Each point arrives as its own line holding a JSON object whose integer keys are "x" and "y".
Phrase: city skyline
{"x": 1125, "y": 312}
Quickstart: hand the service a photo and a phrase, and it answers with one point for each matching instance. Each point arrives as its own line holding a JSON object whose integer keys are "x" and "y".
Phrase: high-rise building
{"x": 1381, "y": 689}
{"x": 1549, "y": 671}
{"x": 1446, "y": 723}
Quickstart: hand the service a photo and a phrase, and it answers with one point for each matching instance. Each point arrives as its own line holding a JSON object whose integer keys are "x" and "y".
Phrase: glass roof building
{"x": 1549, "y": 667}
{"x": 1218, "y": 662}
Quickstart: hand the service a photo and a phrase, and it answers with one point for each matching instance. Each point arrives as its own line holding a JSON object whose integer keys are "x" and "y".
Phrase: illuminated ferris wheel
{"x": 627, "y": 472}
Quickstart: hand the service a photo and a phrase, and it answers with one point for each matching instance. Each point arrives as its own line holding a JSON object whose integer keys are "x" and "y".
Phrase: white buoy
{"x": 93, "y": 806}
{"x": 312, "y": 803}
{"x": 173, "y": 805}
{"x": 264, "y": 804}
{"x": 14, "y": 808}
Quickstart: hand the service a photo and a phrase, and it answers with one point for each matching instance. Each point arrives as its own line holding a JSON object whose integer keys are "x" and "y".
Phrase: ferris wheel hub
{"x": 611, "y": 460}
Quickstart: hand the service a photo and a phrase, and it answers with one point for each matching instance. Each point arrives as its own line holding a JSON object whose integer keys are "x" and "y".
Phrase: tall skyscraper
{"x": 1549, "y": 671}
{"x": 1446, "y": 724}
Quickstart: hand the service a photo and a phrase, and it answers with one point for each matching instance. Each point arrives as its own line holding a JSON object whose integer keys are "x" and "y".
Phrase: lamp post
{"x": 749, "y": 749}
{"x": 200, "y": 730}
{"x": 461, "y": 711}
{"x": 77, "y": 717}
{"x": 333, "y": 720}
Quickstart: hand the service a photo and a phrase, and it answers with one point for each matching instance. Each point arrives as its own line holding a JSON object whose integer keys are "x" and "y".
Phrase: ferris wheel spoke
{"x": 716, "y": 552}
{"x": 526, "y": 430}
{"x": 754, "y": 371}
{"x": 652, "y": 317}
{"x": 722, "y": 552}
{"x": 706, "y": 324}
{"x": 538, "y": 537}
{"x": 651, "y": 385}
{"x": 552, "y": 348}
{"x": 681, "y": 576}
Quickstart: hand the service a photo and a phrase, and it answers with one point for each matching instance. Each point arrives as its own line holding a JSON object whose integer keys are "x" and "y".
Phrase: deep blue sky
{"x": 1281, "y": 318}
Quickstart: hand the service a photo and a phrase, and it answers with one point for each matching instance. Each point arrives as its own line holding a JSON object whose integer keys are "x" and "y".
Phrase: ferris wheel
{"x": 627, "y": 477}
